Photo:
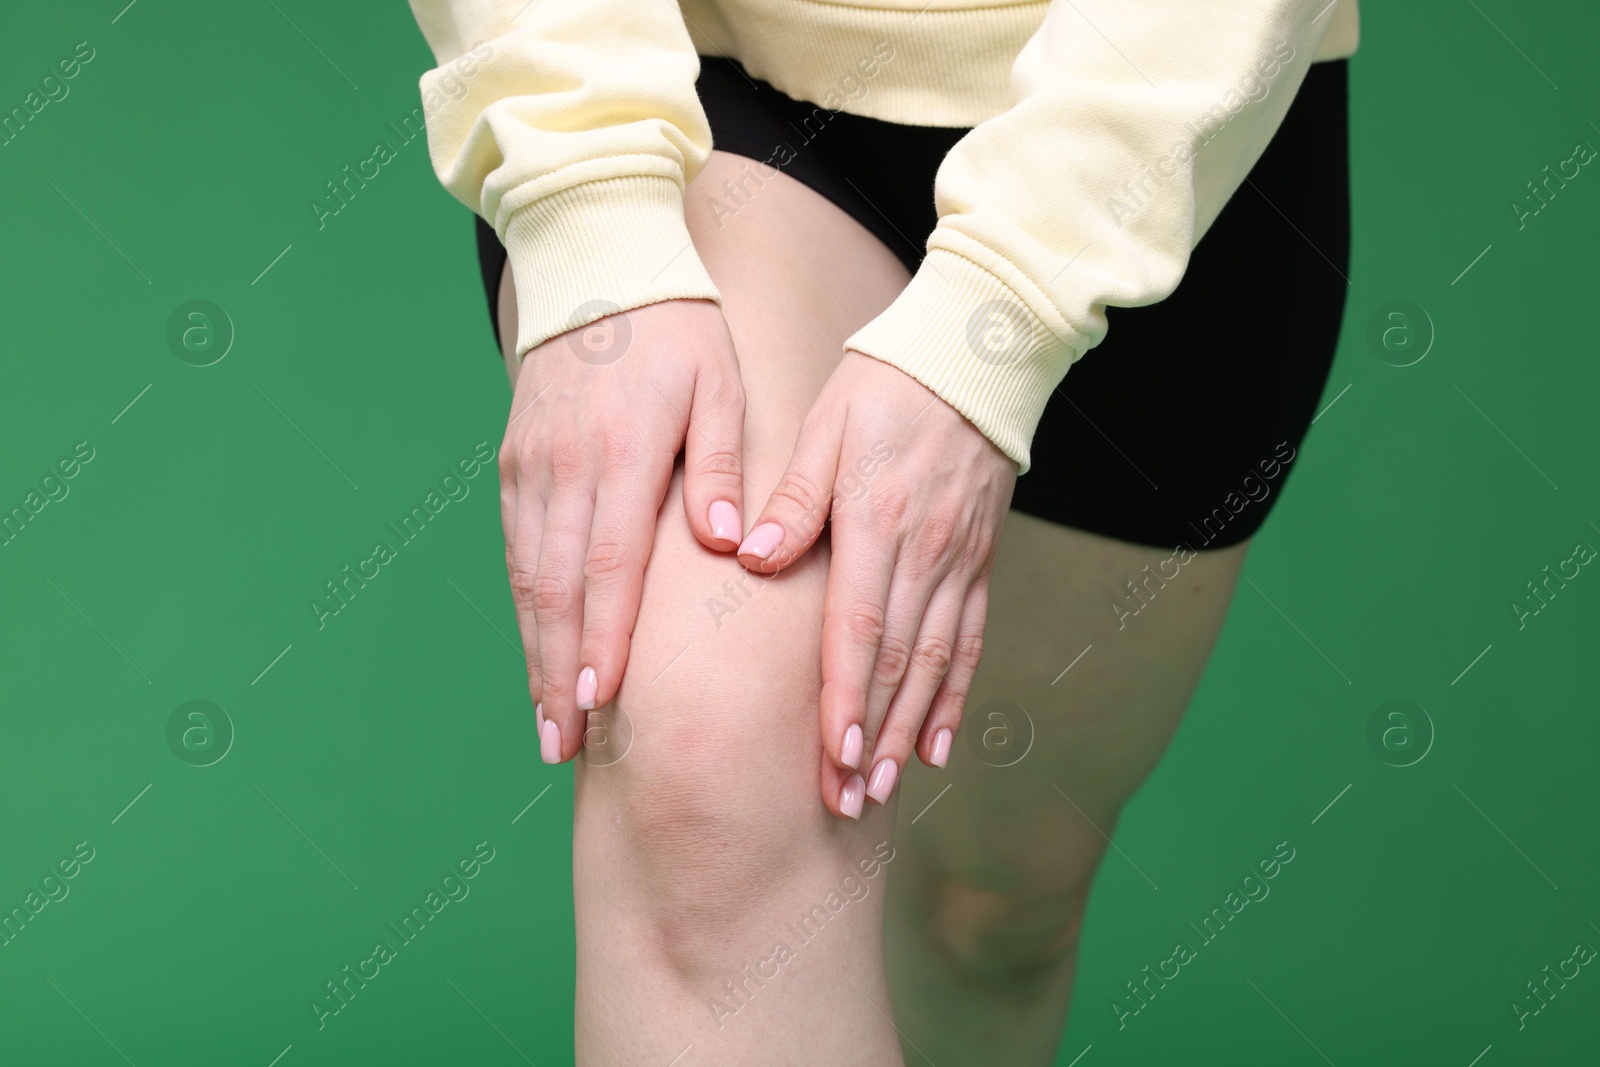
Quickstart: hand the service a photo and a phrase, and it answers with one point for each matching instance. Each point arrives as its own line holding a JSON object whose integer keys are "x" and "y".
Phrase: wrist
{"x": 971, "y": 339}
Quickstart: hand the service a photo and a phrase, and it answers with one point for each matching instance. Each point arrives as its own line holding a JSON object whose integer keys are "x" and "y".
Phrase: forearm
{"x": 1125, "y": 140}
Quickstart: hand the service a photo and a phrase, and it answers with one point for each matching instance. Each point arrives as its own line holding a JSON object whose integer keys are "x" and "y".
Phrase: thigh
{"x": 1093, "y": 649}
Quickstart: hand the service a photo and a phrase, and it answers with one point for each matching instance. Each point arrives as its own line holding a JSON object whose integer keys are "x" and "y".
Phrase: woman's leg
{"x": 989, "y": 889}
{"x": 720, "y": 908}
{"x": 989, "y": 884}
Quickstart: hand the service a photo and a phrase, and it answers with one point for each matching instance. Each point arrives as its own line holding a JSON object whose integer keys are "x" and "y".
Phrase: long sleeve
{"x": 1124, "y": 138}
{"x": 572, "y": 126}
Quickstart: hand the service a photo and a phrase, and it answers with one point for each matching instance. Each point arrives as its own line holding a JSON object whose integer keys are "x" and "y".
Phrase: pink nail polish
{"x": 852, "y": 797}
{"x": 850, "y": 751}
{"x": 941, "y": 747}
{"x": 883, "y": 778}
{"x": 724, "y": 521}
{"x": 587, "y": 684}
{"x": 550, "y": 742}
{"x": 762, "y": 540}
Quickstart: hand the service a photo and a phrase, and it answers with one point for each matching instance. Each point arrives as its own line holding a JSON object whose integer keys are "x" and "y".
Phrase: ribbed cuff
{"x": 598, "y": 248}
{"x": 966, "y": 335}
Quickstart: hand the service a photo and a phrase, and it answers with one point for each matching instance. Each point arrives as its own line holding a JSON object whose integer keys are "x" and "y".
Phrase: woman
{"x": 860, "y": 308}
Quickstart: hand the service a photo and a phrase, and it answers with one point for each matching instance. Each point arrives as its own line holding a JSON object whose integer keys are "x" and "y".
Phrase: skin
{"x": 902, "y": 624}
{"x": 584, "y": 467}
{"x": 696, "y": 852}
{"x": 988, "y": 895}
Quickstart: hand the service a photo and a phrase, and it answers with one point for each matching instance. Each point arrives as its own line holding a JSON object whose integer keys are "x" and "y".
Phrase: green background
{"x": 378, "y": 751}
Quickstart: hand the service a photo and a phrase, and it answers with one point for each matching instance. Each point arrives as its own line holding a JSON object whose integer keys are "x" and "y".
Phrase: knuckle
{"x": 800, "y": 492}
{"x": 968, "y": 651}
{"x": 893, "y": 656}
{"x": 608, "y": 559}
{"x": 934, "y": 540}
{"x": 523, "y": 581}
{"x": 621, "y": 450}
{"x": 887, "y": 509}
{"x": 722, "y": 391}
{"x": 721, "y": 462}
{"x": 978, "y": 552}
{"x": 863, "y": 623}
{"x": 933, "y": 655}
{"x": 552, "y": 595}
{"x": 525, "y": 456}
{"x": 941, "y": 532}
{"x": 566, "y": 462}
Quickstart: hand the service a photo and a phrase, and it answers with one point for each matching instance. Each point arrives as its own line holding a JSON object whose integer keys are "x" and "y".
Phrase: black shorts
{"x": 1150, "y": 438}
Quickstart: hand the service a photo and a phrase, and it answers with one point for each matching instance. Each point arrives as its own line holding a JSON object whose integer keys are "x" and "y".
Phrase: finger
{"x": 558, "y": 613}
{"x": 929, "y": 663}
{"x": 798, "y": 507}
{"x": 853, "y": 613}
{"x": 713, "y": 468}
{"x": 526, "y": 510}
{"x": 508, "y": 462}
{"x": 950, "y": 700}
{"x": 910, "y": 590}
{"x": 522, "y": 507}
{"x": 620, "y": 541}
{"x": 844, "y": 791}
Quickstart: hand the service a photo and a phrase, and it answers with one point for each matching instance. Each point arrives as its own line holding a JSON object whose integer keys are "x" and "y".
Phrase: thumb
{"x": 799, "y": 506}
{"x": 713, "y": 467}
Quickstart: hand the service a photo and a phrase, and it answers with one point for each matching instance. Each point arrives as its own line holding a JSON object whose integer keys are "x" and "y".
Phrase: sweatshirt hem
{"x": 918, "y": 65}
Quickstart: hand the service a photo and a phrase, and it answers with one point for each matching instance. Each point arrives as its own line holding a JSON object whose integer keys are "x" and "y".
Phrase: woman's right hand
{"x": 598, "y": 417}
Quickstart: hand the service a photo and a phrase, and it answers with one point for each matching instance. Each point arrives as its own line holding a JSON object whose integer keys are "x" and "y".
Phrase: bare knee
{"x": 703, "y": 820}
{"x": 711, "y": 837}
{"x": 1003, "y": 915}
{"x": 702, "y": 824}
{"x": 1007, "y": 938}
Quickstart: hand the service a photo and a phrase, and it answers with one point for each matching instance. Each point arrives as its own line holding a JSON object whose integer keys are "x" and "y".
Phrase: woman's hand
{"x": 918, "y": 497}
{"x": 598, "y": 417}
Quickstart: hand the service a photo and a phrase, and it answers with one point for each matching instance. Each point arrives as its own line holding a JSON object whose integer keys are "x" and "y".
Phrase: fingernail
{"x": 587, "y": 684}
{"x": 538, "y": 719}
{"x": 725, "y": 521}
{"x": 850, "y": 751}
{"x": 883, "y": 776}
{"x": 851, "y": 797}
{"x": 762, "y": 540}
{"x": 941, "y": 747}
{"x": 550, "y": 742}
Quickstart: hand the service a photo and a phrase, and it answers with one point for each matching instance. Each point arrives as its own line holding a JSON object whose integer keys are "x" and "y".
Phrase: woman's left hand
{"x": 918, "y": 496}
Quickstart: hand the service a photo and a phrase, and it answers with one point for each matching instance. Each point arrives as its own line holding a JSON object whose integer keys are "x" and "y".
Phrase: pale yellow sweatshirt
{"x": 1107, "y": 136}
